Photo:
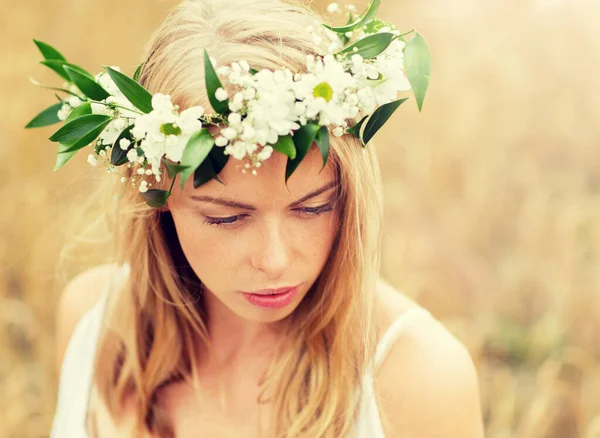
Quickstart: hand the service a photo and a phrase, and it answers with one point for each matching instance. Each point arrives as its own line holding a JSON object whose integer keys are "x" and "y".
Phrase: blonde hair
{"x": 155, "y": 322}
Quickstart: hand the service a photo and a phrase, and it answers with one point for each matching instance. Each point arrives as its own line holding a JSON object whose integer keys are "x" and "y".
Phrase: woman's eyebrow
{"x": 235, "y": 204}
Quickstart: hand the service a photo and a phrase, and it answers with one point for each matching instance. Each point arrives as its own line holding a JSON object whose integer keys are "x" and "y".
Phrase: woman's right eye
{"x": 222, "y": 221}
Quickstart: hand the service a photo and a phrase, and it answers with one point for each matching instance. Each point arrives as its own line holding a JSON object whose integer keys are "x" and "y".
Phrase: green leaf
{"x": 81, "y": 131}
{"x": 134, "y": 92}
{"x": 118, "y": 156}
{"x": 48, "y": 52}
{"x": 219, "y": 159}
{"x": 343, "y": 36}
{"x": 82, "y": 110}
{"x": 213, "y": 83}
{"x": 138, "y": 71}
{"x": 62, "y": 156}
{"x": 88, "y": 86}
{"x": 379, "y": 117}
{"x": 82, "y": 71}
{"x": 204, "y": 173}
{"x": 58, "y": 66}
{"x": 370, "y": 46}
{"x": 365, "y": 18}
{"x": 285, "y": 145}
{"x": 303, "y": 140}
{"x": 196, "y": 150}
{"x": 211, "y": 167}
{"x": 417, "y": 60}
{"x": 156, "y": 198}
{"x": 173, "y": 168}
{"x": 253, "y": 71}
{"x": 322, "y": 140}
{"x": 47, "y": 117}
{"x": 355, "y": 130}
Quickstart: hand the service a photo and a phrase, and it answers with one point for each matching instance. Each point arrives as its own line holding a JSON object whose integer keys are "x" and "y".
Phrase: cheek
{"x": 208, "y": 251}
{"x": 318, "y": 236}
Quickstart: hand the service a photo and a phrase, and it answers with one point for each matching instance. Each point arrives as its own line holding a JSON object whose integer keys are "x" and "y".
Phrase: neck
{"x": 233, "y": 337}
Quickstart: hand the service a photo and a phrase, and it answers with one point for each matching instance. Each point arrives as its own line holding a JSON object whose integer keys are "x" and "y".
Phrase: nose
{"x": 271, "y": 251}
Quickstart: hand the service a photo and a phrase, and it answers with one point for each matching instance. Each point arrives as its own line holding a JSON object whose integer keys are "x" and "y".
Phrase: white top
{"x": 78, "y": 363}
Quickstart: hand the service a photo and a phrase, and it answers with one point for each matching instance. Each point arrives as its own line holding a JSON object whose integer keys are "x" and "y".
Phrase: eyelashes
{"x": 307, "y": 212}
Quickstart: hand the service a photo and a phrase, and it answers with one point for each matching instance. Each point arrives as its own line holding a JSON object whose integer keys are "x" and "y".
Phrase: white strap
{"x": 117, "y": 279}
{"x": 395, "y": 330}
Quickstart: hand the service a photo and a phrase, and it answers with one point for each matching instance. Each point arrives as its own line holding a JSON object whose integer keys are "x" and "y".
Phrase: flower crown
{"x": 356, "y": 75}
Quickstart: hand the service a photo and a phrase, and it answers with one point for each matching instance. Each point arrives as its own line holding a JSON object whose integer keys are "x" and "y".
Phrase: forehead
{"x": 268, "y": 187}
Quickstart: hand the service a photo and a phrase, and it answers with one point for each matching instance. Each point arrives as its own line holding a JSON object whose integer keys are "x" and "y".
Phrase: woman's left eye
{"x": 234, "y": 220}
{"x": 315, "y": 211}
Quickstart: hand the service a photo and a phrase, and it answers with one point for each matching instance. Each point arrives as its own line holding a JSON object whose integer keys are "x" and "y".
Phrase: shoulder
{"x": 80, "y": 295}
{"x": 427, "y": 374}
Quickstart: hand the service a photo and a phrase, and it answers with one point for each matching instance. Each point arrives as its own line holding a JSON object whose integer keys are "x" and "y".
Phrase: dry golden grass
{"x": 493, "y": 198}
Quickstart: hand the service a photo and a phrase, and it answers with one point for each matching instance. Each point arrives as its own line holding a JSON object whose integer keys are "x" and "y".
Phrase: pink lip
{"x": 272, "y": 298}
{"x": 270, "y": 291}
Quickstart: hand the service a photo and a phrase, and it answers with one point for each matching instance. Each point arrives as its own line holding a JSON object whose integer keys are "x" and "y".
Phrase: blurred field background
{"x": 492, "y": 197}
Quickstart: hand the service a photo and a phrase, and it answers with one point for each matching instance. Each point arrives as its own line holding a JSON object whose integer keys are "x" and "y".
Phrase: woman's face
{"x": 253, "y": 233}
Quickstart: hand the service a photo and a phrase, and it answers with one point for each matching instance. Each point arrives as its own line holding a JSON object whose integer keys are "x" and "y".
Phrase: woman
{"x": 251, "y": 306}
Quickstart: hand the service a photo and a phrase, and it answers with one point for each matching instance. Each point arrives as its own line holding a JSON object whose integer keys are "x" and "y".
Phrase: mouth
{"x": 272, "y": 298}
{"x": 277, "y": 291}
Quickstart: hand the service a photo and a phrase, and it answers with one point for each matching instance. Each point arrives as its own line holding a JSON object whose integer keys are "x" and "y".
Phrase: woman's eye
{"x": 315, "y": 211}
{"x": 222, "y": 221}
{"x": 234, "y": 220}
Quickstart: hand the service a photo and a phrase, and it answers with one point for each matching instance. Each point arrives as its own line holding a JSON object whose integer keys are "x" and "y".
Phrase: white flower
{"x": 229, "y": 133}
{"x": 323, "y": 90}
{"x": 162, "y": 102}
{"x": 223, "y": 71}
{"x": 333, "y": 8}
{"x": 237, "y": 150}
{"x": 92, "y": 160}
{"x": 265, "y": 153}
{"x": 132, "y": 156}
{"x": 107, "y": 83}
{"x": 338, "y": 132}
{"x": 221, "y": 94}
{"x": 234, "y": 119}
{"x": 124, "y": 143}
{"x": 221, "y": 141}
{"x": 64, "y": 112}
{"x": 112, "y": 131}
{"x": 390, "y": 65}
{"x": 174, "y": 147}
{"x": 74, "y": 101}
{"x": 126, "y": 108}
{"x": 248, "y": 134}
{"x": 98, "y": 108}
{"x": 270, "y": 113}
{"x": 143, "y": 186}
{"x": 188, "y": 120}
{"x": 245, "y": 66}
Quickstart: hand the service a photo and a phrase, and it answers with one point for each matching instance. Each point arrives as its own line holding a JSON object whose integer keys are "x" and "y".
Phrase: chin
{"x": 270, "y": 316}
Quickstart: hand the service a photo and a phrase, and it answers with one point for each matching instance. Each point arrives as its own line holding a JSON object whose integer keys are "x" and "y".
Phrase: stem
{"x": 34, "y": 82}
{"x": 172, "y": 184}
{"x": 405, "y": 33}
{"x": 113, "y": 105}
